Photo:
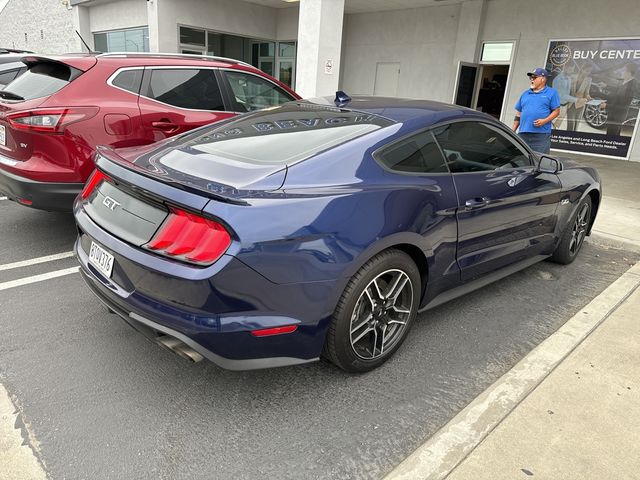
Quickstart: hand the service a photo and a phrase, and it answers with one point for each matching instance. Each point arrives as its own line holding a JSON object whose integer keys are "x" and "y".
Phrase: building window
{"x": 277, "y": 59}
{"x": 131, "y": 40}
{"x": 496, "y": 52}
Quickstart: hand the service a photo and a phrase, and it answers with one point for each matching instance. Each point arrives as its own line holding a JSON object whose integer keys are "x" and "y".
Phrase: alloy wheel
{"x": 579, "y": 229}
{"x": 381, "y": 314}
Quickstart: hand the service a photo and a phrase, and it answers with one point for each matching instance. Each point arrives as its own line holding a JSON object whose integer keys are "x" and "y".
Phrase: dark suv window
{"x": 129, "y": 80}
{"x": 42, "y": 79}
{"x": 8, "y": 76}
{"x": 250, "y": 92}
{"x": 416, "y": 154}
{"x": 475, "y": 146}
{"x": 186, "y": 88}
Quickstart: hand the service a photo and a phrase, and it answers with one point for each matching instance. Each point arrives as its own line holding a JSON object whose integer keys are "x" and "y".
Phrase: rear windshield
{"x": 42, "y": 79}
{"x": 285, "y": 135}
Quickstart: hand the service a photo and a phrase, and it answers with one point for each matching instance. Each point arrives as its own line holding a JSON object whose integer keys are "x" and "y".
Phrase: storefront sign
{"x": 599, "y": 87}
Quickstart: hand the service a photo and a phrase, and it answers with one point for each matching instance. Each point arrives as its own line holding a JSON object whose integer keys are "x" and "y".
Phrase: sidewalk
{"x": 571, "y": 408}
{"x": 582, "y": 422}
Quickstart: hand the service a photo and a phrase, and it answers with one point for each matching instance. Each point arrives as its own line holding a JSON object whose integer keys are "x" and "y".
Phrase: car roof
{"x": 10, "y": 57}
{"x": 146, "y": 58}
{"x": 405, "y": 109}
{"x": 11, "y": 65}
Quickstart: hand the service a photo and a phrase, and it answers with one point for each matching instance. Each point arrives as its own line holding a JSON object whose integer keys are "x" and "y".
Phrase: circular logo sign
{"x": 560, "y": 55}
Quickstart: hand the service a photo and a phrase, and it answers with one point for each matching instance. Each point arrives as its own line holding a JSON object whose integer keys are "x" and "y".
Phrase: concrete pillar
{"x": 152, "y": 22}
{"x": 319, "y": 47}
{"x": 82, "y": 24}
{"x": 468, "y": 38}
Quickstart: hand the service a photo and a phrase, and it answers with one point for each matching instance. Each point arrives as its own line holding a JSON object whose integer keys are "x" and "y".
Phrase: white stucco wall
{"x": 225, "y": 16}
{"x": 118, "y": 15}
{"x": 49, "y": 26}
{"x": 422, "y": 40}
{"x": 287, "y": 24}
{"x": 533, "y": 24}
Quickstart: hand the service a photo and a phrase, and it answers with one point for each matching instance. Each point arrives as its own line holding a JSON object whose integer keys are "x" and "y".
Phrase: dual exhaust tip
{"x": 179, "y": 347}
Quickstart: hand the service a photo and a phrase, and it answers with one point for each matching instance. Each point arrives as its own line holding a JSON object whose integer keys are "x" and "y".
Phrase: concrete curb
{"x": 455, "y": 441}
{"x": 17, "y": 458}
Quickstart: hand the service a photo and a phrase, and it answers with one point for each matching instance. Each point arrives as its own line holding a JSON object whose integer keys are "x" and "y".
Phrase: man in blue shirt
{"x": 535, "y": 110}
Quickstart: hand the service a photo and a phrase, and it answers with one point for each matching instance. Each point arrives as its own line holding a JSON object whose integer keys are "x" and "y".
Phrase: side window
{"x": 474, "y": 147}
{"x": 186, "y": 88}
{"x": 129, "y": 80}
{"x": 6, "y": 77}
{"x": 416, "y": 154}
{"x": 250, "y": 92}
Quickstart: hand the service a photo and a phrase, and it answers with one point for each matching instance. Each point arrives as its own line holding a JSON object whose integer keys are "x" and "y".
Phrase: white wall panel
{"x": 421, "y": 40}
{"x": 226, "y": 16}
{"x": 118, "y": 15}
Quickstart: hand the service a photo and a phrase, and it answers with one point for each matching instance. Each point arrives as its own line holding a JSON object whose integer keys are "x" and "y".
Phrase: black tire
{"x": 380, "y": 324}
{"x": 574, "y": 234}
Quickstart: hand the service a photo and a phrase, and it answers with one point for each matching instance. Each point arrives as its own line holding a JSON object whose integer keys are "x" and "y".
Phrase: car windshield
{"x": 283, "y": 135}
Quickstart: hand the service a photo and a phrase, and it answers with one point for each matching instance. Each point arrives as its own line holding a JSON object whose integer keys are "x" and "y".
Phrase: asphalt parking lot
{"x": 98, "y": 400}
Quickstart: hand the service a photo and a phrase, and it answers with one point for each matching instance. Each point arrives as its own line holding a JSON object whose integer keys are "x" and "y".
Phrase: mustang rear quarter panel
{"x": 217, "y": 307}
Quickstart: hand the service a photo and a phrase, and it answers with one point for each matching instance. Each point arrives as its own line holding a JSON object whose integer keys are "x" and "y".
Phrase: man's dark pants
{"x": 539, "y": 142}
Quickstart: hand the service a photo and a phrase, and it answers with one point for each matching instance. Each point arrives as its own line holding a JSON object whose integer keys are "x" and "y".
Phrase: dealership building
{"x": 475, "y": 53}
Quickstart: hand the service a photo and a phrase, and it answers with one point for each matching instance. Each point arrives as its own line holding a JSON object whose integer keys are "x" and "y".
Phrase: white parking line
{"x": 3, "y": 198}
{"x": 35, "y": 261}
{"x": 38, "y": 278}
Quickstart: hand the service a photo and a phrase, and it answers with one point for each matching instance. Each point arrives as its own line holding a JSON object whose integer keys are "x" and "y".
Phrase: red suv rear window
{"x": 42, "y": 79}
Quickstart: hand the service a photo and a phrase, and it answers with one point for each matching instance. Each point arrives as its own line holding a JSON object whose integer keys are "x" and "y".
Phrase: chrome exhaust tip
{"x": 179, "y": 348}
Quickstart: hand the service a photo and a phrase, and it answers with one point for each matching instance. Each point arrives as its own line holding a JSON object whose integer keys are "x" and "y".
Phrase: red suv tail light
{"x": 50, "y": 120}
{"x": 94, "y": 180}
{"x": 191, "y": 238}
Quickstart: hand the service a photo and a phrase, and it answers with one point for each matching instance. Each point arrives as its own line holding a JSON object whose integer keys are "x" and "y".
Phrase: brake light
{"x": 191, "y": 238}
{"x": 50, "y": 120}
{"x": 94, "y": 180}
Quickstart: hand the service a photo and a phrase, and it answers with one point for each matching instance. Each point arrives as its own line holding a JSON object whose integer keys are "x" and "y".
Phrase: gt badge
{"x": 110, "y": 203}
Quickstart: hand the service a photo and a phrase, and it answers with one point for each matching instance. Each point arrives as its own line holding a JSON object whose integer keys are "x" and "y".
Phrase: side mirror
{"x": 548, "y": 165}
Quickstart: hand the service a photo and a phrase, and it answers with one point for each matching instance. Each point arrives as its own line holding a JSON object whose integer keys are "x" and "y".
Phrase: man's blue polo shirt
{"x": 535, "y": 105}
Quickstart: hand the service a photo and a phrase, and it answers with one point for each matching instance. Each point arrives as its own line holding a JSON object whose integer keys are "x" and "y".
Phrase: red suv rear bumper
{"x": 41, "y": 195}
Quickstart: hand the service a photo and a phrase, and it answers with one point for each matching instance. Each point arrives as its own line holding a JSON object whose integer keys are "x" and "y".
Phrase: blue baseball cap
{"x": 538, "y": 72}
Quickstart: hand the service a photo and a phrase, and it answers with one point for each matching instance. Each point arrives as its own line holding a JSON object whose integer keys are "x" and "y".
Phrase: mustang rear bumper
{"x": 213, "y": 310}
{"x": 154, "y": 330}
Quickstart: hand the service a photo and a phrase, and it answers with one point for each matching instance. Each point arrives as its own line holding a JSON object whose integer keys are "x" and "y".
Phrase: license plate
{"x": 3, "y": 135}
{"x": 101, "y": 259}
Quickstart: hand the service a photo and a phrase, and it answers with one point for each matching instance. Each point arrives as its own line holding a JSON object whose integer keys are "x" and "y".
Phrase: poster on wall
{"x": 599, "y": 87}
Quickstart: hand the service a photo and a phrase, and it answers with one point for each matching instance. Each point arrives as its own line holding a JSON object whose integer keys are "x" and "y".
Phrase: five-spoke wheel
{"x": 574, "y": 234}
{"x": 374, "y": 313}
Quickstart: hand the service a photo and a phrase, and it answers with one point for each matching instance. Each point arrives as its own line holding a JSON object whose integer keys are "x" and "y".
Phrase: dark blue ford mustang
{"x": 313, "y": 230}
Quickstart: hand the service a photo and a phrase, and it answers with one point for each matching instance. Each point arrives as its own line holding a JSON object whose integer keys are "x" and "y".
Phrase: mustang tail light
{"x": 191, "y": 238}
{"x": 50, "y": 120}
{"x": 94, "y": 180}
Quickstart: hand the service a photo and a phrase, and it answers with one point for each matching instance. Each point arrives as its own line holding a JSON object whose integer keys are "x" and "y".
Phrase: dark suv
{"x": 55, "y": 114}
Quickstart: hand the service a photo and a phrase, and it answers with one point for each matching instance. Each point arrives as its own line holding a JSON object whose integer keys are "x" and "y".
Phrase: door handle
{"x": 165, "y": 126}
{"x": 475, "y": 203}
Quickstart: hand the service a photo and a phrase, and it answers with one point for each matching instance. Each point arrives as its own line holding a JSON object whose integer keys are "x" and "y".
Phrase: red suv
{"x": 55, "y": 114}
